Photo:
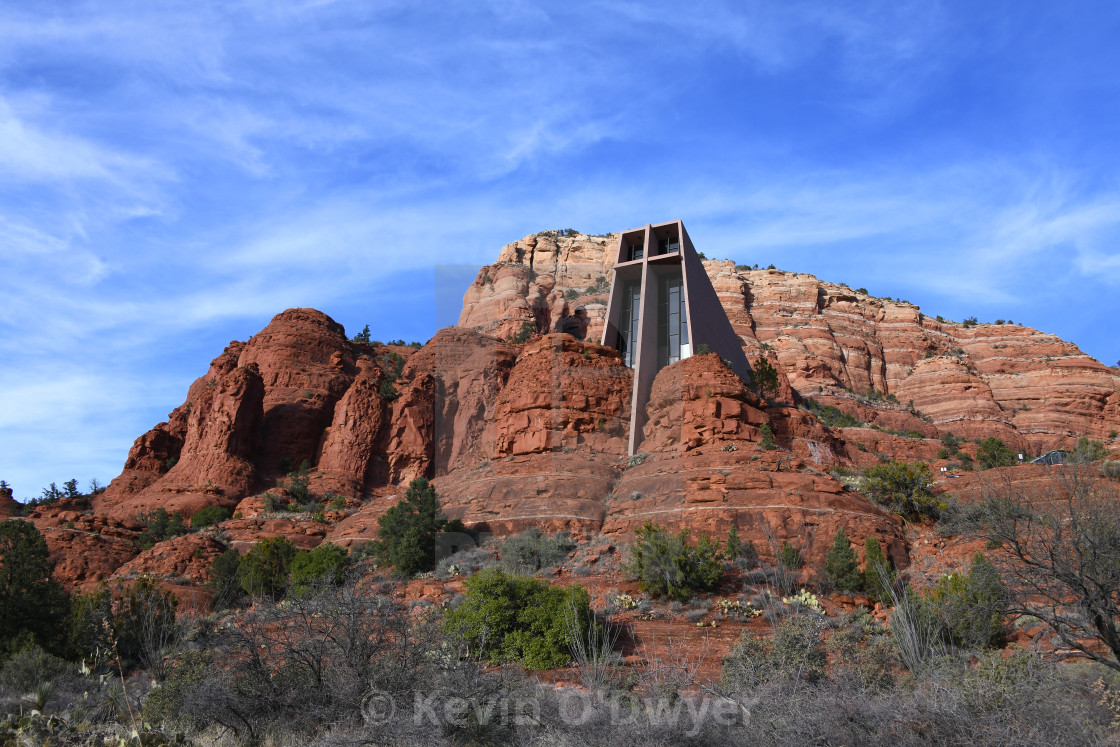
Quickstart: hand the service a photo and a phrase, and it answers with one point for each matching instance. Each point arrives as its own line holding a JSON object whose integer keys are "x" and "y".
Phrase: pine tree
{"x": 876, "y": 571}
{"x": 31, "y": 601}
{"x": 764, "y": 379}
{"x": 733, "y": 549}
{"x": 407, "y": 530}
{"x": 841, "y": 564}
{"x": 767, "y": 437}
{"x": 264, "y": 569}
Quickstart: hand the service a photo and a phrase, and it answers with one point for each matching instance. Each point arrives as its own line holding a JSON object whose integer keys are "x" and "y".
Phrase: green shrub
{"x": 951, "y": 442}
{"x": 742, "y": 554}
{"x": 877, "y": 572}
{"x": 905, "y": 489}
{"x": 224, "y": 581}
{"x": 127, "y": 620}
{"x": 1088, "y": 450}
{"x": 264, "y": 569}
{"x": 299, "y": 488}
{"x": 29, "y": 666}
{"x": 406, "y": 532}
{"x": 841, "y": 565}
{"x": 160, "y": 526}
{"x": 387, "y": 391}
{"x": 972, "y": 606}
{"x": 142, "y": 612}
{"x": 165, "y": 704}
{"x": 637, "y": 460}
{"x": 790, "y": 557}
{"x": 764, "y": 379}
{"x": 993, "y": 452}
{"x": 326, "y": 564}
{"x": 32, "y": 603}
{"x": 208, "y": 516}
{"x": 518, "y": 618}
{"x": 733, "y": 547}
{"x": 863, "y": 652}
{"x": 363, "y": 336}
{"x": 666, "y": 565}
{"x": 796, "y": 652}
{"x": 832, "y": 416}
{"x": 767, "y": 437}
{"x": 528, "y": 329}
{"x": 533, "y": 550}
{"x": 1111, "y": 468}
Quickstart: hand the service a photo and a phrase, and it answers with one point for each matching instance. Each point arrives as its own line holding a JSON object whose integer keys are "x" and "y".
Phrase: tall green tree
{"x": 841, "y": 565}
{"x": 264, "y": 569}
{"x": 734, "y": 548}
{"x": 407, "y": 531}
{"x": 877, "y": 573}
{"x": 31, "y": 601}
{"x": 764, "y": 379}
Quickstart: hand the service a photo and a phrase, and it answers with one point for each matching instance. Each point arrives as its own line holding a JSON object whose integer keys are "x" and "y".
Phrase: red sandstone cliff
{"x": 1032, "y": 389}
{"x": 534, "y": 434}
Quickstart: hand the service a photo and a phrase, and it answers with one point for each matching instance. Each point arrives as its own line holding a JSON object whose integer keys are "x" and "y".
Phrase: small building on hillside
{"x": 662, "y": 308}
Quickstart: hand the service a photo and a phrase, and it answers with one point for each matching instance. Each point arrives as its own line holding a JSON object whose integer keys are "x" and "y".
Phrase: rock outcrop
{"x": 1031, "y": 389}
{"x": 534, "y": 434}
{"x": 558, "y": 283}
{"x": 564, "y": 394}
{"x": 8, "y": 504}
{"x": 85, "y": 548}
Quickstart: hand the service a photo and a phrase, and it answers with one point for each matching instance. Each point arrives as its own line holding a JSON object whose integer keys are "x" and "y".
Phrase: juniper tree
{"x": 841, "y": 565}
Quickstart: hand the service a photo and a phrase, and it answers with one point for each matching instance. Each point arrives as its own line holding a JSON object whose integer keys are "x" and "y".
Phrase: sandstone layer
{"x": 1029, "y": 388}
{"x": 306, "y": 434}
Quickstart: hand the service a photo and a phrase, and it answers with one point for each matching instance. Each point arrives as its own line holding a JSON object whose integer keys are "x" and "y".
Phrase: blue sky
{"x": 174, "y": 174}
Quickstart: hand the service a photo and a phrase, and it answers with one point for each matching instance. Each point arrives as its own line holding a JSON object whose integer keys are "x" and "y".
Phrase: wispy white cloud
{"x": 173, "y": 168}
{"x": 32, "y": 153}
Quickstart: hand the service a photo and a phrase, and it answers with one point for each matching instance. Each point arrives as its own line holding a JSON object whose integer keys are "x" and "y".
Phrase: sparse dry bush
{"x": 1059, "y": 554}
{"x": 533, "y": 551}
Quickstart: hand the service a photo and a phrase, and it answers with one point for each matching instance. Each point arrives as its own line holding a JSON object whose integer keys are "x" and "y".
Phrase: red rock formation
{"x": 535, "y": 434}
{"x": 245, "y": 532}
{"x": 697, "y": 402}
{"x": 298, "y": 390}
{"x": 705, "y": 469}
{"x": 410, "y": 446}
{"x": 543, "y": 279}
{"x": 180, "y": 560}
{"x": 554, "y": 491}
{"x": 347, "y": 449}
{"x": 86, "y": 549}
{"x": 470, "y": 369}
{"x": 1030, "y": 389}
{"x": 564, "y": 393}
{"x": 8, "y": 504}
{"x": 771, "y": 496}
{"x": 215, "y": 464}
